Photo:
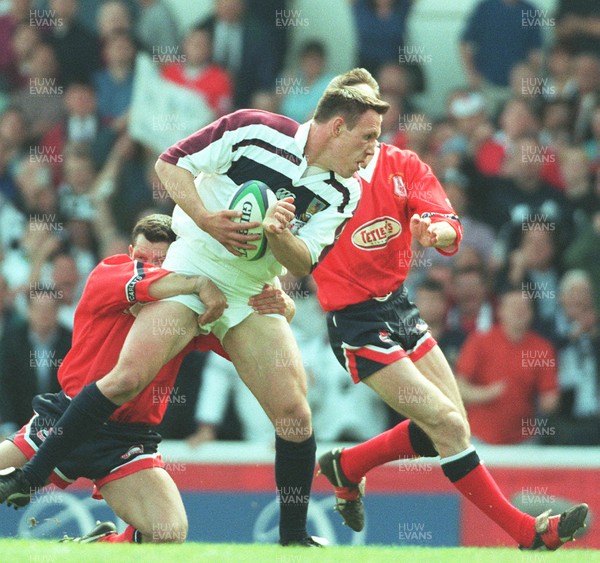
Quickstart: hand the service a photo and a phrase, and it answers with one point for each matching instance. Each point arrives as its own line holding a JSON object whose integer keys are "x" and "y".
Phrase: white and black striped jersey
{"x": 258, "y": 145}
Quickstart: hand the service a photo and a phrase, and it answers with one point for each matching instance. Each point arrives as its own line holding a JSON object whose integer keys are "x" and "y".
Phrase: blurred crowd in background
{"x": 517, "y": 151}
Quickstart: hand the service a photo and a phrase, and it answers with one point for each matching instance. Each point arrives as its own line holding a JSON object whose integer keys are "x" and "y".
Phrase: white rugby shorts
{"x": 237, "y": 285}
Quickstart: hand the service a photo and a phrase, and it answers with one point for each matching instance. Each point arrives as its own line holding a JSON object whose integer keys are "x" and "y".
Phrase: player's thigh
{"x": 161, "y": 330}
{"x": 266, "y": 356}
{"x": 149, "y": 501}
{"x": 434, "y": 366}
{"x": 402, "y": 386}
{"x": 11, "y": 456}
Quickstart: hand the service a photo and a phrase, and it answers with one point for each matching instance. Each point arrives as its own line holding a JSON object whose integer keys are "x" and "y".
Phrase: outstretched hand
{"x": 440, "y": 234}
{"x": 423, "y": 230}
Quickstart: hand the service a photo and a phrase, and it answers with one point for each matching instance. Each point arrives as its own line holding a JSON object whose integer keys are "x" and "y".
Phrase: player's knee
{"x": 133, "y": 386}
{"x": 293, "y": 420}
{"x": 124, "y": 383}
{"x": 453, "y": 428}
{"x": 298, "y": 410}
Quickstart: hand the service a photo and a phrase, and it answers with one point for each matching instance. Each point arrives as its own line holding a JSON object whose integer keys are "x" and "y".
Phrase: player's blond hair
{"x": 355, "y": 77}
{"x": 344, "y": 96}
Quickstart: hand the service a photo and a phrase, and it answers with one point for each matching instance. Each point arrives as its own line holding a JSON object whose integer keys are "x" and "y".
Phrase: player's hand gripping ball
{"x": 252, "y": 200}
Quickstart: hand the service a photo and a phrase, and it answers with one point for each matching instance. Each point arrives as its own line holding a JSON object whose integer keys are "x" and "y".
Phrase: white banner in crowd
{"x": 162, "y": 113}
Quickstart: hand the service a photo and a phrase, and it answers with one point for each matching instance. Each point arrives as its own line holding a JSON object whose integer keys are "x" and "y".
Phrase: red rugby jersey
{"x": 372, "y": 256}
{"x": 102, "y": 322}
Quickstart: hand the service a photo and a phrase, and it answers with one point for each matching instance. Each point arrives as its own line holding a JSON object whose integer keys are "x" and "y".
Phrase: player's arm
{"x": 291, "y": 252}
{"x": 288, "y": 249}
{"x": 175, "y": 284}
{"x": 117, "y": 284}
{"x": 210, "y": 150}
{"x": 433, "y": 222}
{"x": 479, "y": 394}
{"x": 300, "y": 254}
{"x": 179, "y": 284}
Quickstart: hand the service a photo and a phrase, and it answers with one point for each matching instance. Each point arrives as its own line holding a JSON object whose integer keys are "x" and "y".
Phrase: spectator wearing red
{"x": 516, "y": 120}
{"x": 197, "y": 71}
{"x": 507, "y": 376}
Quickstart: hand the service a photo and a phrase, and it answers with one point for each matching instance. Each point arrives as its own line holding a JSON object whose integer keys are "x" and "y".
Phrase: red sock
{"x": 391, "y": 445}
{"x": 126, "y": 537}
{"x": 480, "y": 488}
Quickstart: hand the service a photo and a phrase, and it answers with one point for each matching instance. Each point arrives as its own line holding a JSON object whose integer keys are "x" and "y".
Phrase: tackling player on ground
{"x": 378, "y": 336}
{"x": 122, "y": 456}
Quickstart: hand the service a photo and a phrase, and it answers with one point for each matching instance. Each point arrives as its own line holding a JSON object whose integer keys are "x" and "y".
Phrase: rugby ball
{"x": 253, "y": 199}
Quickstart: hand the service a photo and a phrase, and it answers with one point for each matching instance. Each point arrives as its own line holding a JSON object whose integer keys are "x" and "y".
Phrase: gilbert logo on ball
{"x": 253, "y": 199}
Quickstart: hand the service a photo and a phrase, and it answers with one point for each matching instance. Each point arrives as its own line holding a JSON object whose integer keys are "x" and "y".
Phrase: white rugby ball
{"x": 253, "y": 199}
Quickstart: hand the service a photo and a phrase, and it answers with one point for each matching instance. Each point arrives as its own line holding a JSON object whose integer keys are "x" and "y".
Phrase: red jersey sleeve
{"x": 427, "y": 198}
{"x": 467, "y": 363}
{"x": 118, "y": 282}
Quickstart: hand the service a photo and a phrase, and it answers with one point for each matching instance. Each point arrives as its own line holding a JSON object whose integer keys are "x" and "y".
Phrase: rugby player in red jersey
{"x": 378, "y": 335}
{"x": 122, "y": 457}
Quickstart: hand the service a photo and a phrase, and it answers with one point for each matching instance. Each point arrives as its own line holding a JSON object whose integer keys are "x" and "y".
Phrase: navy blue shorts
{"x": 115, "y": 451}
{"x": 370, "y": 335}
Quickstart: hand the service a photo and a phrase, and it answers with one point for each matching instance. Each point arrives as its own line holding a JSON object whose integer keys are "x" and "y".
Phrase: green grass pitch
{"x": 39, "y": 551}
